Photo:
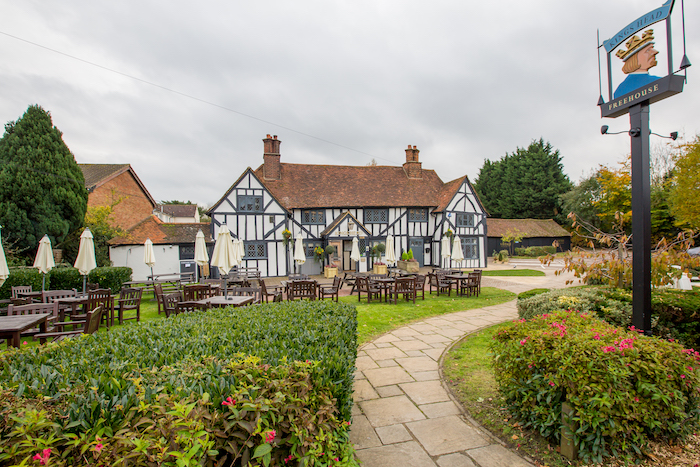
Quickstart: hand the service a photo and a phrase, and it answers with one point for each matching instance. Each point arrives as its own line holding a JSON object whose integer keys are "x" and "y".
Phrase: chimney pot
{"x": 414, "y": 147}
{"x": 275, "y": 136}
{"x": 409, "y": 146}
{"x": 268, "y": 136}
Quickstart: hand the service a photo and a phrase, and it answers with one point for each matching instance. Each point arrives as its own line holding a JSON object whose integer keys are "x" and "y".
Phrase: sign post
{"x": 634, "y": 95}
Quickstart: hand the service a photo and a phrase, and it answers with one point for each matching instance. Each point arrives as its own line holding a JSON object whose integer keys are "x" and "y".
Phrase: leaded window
{"x": 309, "y": 247}
{"x": 255, "y": 250}
{"x": 417, "y": 215}
{"x": 250, "y": 203}
{"x": 465, "y": 219}
{"x": 376, "y": 216}
{"x": 313, "y": 217}
{"x": 470, "y": 247}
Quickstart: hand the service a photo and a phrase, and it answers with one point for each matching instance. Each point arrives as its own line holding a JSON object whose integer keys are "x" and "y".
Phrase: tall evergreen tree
{"x": 524, "y": 184}
{"x": 42, "y": 189}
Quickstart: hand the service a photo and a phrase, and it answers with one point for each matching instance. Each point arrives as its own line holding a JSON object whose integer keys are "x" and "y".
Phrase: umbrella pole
{"x": 84, "y": 283}
{"x": 43, "y": 281}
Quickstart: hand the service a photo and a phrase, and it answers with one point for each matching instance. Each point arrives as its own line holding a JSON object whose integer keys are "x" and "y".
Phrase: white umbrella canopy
{"x": 4, "y": 270}
{"x": 299, "y": 255}
{"x": 86, "y": 262}
{"x": 355, "y": 253}
{"x": 390, "y": 253}
{"x": 457, "y": 254}
{"x": 149, "y": 257}
{"x": 44, "y": 258}
{"x": 445, "y": 247}
{"x": 241, "y": 249}
{"x": 223, "y": 256}
{"x": 201, "y": 257}
{"x": 238, "y": 257}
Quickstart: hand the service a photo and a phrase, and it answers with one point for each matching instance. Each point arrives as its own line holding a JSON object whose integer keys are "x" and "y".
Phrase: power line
{"x": 188, "y": 96}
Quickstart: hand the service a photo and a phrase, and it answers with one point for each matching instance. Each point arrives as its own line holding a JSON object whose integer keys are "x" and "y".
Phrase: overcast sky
{"x": 339, "y": 82}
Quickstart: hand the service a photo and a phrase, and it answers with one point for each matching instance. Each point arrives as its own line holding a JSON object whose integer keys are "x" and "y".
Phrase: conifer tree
{"x": 42, "y": 189}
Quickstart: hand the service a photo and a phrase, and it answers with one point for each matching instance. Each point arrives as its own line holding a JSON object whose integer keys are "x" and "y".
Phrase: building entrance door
{"x": 416, "y": 245}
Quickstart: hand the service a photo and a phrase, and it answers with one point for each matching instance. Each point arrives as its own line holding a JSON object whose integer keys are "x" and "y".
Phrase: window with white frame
{"x": 313, "y": 217}
{"x": 470, "y": 247}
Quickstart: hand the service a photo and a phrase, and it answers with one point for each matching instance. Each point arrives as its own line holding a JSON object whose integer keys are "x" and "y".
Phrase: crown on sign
{"x": 635, "y": 44}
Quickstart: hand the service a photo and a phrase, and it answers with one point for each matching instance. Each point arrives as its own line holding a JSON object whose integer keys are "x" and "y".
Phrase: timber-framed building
{"x": 330, "y": 205}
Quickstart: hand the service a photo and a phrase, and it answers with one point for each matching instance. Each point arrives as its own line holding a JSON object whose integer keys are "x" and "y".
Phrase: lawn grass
{"x": 375, "y": 319}
{"x": 468, "y": 371}
{"x": 513, "y": 272}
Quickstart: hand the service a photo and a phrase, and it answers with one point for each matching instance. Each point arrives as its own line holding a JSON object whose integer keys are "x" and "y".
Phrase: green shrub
{"x": 404, "y": 256}
{"x": 535, "y": 251}
{"x": 66, "y": 278}
{"x": 23, "y": 276}
{"x": 101, "y": 382}
{"x": 531, "y": 293}
{"x": 110, "y": 277}
{"x": 624, "y": 388}
{"x": 410, "y": 254}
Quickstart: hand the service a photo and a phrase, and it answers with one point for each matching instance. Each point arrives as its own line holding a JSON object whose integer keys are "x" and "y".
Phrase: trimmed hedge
{"x": 145, "y": 387}
{"x": 675, "y": 313}
{"x": 110, "y": 277}
{"x": 23, "y": 276}
{"x": 531, "y": 293}
{"x": 535, "y": 251}
{"x": 66, "y": 278}
{"x": 624, "y": 388}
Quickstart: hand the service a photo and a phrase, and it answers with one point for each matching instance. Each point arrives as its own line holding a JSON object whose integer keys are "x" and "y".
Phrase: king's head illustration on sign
{"x": 638, "y": 58}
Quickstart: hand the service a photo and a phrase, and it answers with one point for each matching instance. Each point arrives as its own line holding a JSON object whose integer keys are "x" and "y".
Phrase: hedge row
{"x": 624, "y": 388}
{"x": 675, "y": 313}
{"x": 65, "y": 278}
{"x": 535, "y": 251}
{"x": 182, "y": 386}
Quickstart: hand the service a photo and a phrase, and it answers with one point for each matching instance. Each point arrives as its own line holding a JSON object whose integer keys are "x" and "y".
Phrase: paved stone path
{"x": 403, "y": 416}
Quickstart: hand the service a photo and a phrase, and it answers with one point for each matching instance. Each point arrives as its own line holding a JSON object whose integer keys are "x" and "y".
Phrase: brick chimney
{"x": 271, "y": 158}
{"x": 412, "y": 166}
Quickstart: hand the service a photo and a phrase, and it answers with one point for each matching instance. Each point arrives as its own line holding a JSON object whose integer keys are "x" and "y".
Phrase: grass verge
{"x": 513, "y": 272}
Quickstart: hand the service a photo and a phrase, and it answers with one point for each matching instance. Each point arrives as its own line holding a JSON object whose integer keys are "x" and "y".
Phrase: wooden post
{"x": 568, "y": 448}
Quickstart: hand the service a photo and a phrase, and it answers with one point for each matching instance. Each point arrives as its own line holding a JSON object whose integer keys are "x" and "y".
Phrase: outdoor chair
{"x": 170, "y": 303}
{"x": 330, "y": 290}
{"x": 440, "y": 283}
{"x": 298, "y": 277}
{"x": 405, "y": 286}
{"x": 255, "y": 292}
{"x": 194, "y": 292}
{"x": 100, "y": 298}
{"x": 20, "y": 289}
{"x": 365, "y": 287}
{"x": 420, "y": 285}
{"x": 50, "y": 296}
{"x": 89, "y": 326}
{"x": 217, "y": 285}
{"x": 33, "y": 309}
{"x": 301, "y": 289}
{"x": 350, "y": 279}
{"x": 129, "y": 300}
{"x": 478, "y": 272}
{"x": 267, "y": 292}
{"x": 471, "y": 285}
{"x": 158, "y": 292}
{"x": 92, "y": 286}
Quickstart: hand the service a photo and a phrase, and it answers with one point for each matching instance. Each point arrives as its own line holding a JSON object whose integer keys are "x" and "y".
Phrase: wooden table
{"x": 75, "y": 302}
{"x": 385, "y": 284}
{"x": 36, "y": 294}
{"x": 458, "y": 280}
{"x": 221, "y": 301}
{"x": 12, "y": 326}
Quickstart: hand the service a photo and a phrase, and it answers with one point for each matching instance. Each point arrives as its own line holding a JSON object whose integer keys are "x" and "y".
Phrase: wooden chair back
{"x": 33, "y": 309}
{"x": 90, "y": 326}
{"x": 364, "y": 286}
{"x": 129, "y": 299}
{"x": 18, "y": 289}
{"x": 194, "y": 292}
{"x": 331, "y": 291}
{"x": 170, "y": 303}
{"x": 273, "y": 292}
{"x": 49, "y": 296}
{"x": 405, "y": 286}
{"x": 301, "y": 289}
{"x": 158, "y": 292}
{"x": 101, "y": 298}
{"x": 420, "y": 285}
{"x": 92, "y": 323}
{"x": 255, "y": 292}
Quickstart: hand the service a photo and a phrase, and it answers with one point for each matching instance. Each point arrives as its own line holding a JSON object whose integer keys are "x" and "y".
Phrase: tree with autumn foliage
{"x": 685, "y": 186}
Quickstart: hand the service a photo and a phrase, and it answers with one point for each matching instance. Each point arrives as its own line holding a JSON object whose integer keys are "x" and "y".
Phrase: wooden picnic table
{"x": 458, "y": 280}
{"x": 12, "y": 326}
{"x": 82, "y": 300}
{"x": 221, "y": 301}
{"x": 384, "y": 284}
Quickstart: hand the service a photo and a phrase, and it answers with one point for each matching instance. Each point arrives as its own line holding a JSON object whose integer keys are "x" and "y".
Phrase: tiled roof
{"x": 161, "y": 233}
{"x": 98, "y": 174}
{"x": 338, "y": 186}
{"x": 528, "y": 227}
{"x": 178, "y": 210}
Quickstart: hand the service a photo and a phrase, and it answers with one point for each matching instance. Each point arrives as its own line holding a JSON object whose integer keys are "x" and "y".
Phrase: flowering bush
{"x": 624, "y": 388}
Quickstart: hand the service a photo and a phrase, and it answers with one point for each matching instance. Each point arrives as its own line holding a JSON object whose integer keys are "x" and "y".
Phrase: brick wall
{"x": 134, "y": 206}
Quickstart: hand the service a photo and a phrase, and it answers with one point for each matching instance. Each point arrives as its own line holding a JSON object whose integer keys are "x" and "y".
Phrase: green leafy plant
{"x": 23, "y": 276}
{"x": 377, "y": 252}
{"x": 625, "y": 388}
{"x": 110, "y": 277}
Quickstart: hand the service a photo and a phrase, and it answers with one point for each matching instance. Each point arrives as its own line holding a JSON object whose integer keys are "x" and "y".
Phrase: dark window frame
{"x": 307, "y": 217}
{"x": 243, "y": 201}
{"x": 465, "y": 219}
{"x": 412, "y": 214}
{"x": 257, "y": 244}
{"x": 473, "y": 244}
{"x": 374, "y": 215}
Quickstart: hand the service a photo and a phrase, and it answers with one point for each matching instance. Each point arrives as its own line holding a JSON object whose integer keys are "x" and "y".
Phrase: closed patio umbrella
{"x": 241, "y": 249}
{"x": 44, "y": 258}
{"x": 390, "y": 253}
{"x": 85, "y": 262}
{"x": 457, "y": 254}
{"x": 299, "y": 255}
{"x": 355, "y": 252}
{"x": 201, "y": 256}
{"x": 4, "y": 270}
{"x": 223, "y": 256}
{"x": 237, "y": 247}
{"x": 149, "y": 257}
{"x": 445, "y": 247}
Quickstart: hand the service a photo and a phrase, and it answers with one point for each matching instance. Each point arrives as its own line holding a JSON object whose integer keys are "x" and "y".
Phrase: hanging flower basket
{"x": 449, "y": 233}
{"x": 286, "y": 235}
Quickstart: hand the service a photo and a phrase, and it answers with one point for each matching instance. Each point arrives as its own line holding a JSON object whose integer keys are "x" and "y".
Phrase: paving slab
{"x": 362, "y": 434}
{"x": 446, "y": 435}
{"x": 440, "y": 409}
{"x": 363, "y": 390}
{"x": 388, "y": 391}
{"x": 421, "y": 363}
{"x": 455, "y": 460}
{"x": 409, "y": 454}
{"x": 496, "y": 455}
{"x": 390, "y": 411}
{"x": 425, "y": 392}
{"x": 414, "y": 344}
{"x": 385, "y": 353}
{"x": 386, "y": 376}
{"x": 393, "y": 434}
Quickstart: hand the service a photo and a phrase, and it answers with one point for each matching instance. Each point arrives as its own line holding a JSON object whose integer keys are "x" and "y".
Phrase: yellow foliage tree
{"x": 685, "y": 186}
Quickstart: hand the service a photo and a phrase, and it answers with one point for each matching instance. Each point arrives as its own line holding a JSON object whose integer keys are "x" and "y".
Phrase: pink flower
{"x": 229, "y": 401}
{"x": 682, "y": 376}
{"x": 43, "y": 458}
{"x": 24, "y": 343}
{"x": 530, "y": 365}
{"x": 636, "y": 399}
{"x": 690, "y": 368}
{"x": 522, "y": 342}
{"x": 99, "y": 447}
{"x": 270, "y": 436}
{"x": 551, "y": 383}
{"x": 609, "y": 348}
{"x": 336, "y": 459}
{"x": 288, "y": 458}
{"x": 597, "y": 336}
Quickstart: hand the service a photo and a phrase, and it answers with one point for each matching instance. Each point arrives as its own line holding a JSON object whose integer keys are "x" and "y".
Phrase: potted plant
{"x": 449, "y": 234}
{"x": 286, "y": 235}
{"x": 408, "y": 263}
{"x": 332, "y": 269}
{"x": 378, "y": 267}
